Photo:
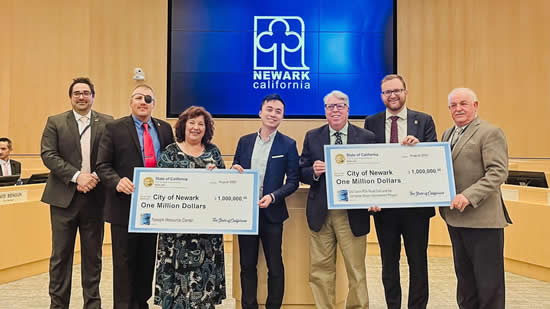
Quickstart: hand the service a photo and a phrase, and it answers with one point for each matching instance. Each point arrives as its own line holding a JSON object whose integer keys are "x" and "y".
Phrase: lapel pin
{"x": 415, "y": 121}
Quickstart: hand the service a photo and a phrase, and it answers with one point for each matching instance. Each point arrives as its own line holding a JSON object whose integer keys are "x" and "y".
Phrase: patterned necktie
{"x": 393, "y": 132}
{"x": 85, "y": 136}
{"x": 456, "y": 135}
{"x": 148, "y": 148}
{"x": 338, "y": 138}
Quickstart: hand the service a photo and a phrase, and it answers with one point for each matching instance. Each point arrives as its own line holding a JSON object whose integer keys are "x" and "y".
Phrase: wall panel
{"x": 50, "y": 45}
{"x": 6, "y": 24}
{"x": 501, "y": 49}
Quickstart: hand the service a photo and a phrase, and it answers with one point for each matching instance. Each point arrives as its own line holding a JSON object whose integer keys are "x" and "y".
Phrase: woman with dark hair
{"x": 190, "y": 270}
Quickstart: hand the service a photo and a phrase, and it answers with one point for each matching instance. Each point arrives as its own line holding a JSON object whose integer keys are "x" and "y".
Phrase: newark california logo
{"x": 279, "y": 57}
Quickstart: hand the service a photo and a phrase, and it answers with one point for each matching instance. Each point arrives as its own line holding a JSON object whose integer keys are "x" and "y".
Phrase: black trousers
{"x": 271, "y": 235}
{"x": 414, "y": 228}
{"x": 479, "y": 266}
{"x": 85, "y": 215}
{"x": 133, "y": 267}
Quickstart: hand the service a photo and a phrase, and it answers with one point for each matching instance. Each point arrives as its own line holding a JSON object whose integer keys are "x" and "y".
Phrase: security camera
{"x": 139, "y": 74}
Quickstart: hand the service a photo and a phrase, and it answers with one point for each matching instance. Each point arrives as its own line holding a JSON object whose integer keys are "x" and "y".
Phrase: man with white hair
{"x": 328, "y": 228}
{"x": 477, "y": 215}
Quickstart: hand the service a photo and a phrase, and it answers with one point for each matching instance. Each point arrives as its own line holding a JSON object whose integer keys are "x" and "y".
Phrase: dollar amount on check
{"x": 171, "y": 200}
{"x": 389, "y": 175}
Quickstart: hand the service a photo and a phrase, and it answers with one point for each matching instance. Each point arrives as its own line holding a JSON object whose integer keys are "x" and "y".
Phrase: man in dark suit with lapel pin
{"x": 398, "y": 124}
{"x": 132, "y": 141}
{"x": 328, "y": 228}
{"x": 8, "y": 166}
{"x": 69, "y": 149}
{"x": 477, "y": 215}
{"x": 273, "y": 155}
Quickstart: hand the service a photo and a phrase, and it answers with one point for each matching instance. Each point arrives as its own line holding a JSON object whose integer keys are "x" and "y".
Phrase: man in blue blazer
{"x": 273, "y": 155}
{"x": 398, "y": 124}
{"x": 328, "y": 228}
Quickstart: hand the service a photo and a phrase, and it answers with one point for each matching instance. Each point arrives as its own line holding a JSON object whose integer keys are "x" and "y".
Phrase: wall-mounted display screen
{"x": 227, "y": 55}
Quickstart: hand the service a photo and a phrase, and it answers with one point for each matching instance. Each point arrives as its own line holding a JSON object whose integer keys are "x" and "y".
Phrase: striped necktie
{"x": 456, "y": 136}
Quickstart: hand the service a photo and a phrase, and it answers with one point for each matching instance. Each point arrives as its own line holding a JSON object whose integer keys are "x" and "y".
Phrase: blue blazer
{"x": 419, "y": 125}
{"x": 317, "y": 208}
{"x": 283, "y": 159}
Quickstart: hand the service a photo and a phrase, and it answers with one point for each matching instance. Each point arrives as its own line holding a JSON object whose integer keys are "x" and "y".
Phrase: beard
{"x": 395, "y": 105}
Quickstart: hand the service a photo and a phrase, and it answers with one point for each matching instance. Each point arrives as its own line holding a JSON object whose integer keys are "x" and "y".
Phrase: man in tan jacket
{"x": 477, "y": 215}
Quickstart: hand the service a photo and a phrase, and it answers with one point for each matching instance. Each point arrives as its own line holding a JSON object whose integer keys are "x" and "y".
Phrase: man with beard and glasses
{"x": 69, "y": 150}
{"x": 398, "y": 124}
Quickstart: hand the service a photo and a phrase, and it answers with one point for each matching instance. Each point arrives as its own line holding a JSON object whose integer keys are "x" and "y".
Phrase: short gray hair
{"x": 339, "y": 95}
{"x": 472, "y": 94}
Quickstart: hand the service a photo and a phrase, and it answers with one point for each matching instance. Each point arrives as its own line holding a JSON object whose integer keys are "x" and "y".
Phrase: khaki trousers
{"x": 322, "y": 250}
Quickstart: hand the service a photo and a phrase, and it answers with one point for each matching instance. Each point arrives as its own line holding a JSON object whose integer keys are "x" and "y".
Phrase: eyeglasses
{"x": 77, "y": 94}
{"x": 393, "y": 91}
{"x": 339, "y": 106}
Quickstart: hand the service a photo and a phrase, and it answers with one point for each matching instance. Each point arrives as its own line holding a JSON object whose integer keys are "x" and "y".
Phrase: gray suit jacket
{"x": 480, "y": 163}
{"x": 60, "y": 151}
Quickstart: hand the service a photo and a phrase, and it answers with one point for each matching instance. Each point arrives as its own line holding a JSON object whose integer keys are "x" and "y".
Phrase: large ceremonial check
{"x": 182, "y": 200}
{"x": 389, "y": 175}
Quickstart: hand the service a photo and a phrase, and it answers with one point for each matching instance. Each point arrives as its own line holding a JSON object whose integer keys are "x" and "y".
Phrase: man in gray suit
{"x": 69, "y": 149}
{"x": 477, "y": 215}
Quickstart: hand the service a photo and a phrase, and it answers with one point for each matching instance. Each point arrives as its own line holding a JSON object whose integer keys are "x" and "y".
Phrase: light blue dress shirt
{"x": 154, "y": 135}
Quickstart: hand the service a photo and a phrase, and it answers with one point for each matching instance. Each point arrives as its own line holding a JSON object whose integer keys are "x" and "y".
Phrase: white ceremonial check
{"x": 182, "y": 200}
{"x": 389, "y": 175}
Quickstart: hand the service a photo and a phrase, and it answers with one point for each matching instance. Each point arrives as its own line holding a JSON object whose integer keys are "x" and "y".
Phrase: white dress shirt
{"x": 6, "y": 167}
{"x": 401, "y": 125}
{"x": 81, "y": 127}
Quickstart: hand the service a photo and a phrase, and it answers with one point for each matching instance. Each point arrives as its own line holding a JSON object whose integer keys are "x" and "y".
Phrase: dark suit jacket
{"x": 119, "y": 153}
{"x": 313, "y": 150}
{"x": 283, "y": 159}
{"x": 419, "y": 125}
{"x": 15, "y": 168}
{"x": 61, "y": 154}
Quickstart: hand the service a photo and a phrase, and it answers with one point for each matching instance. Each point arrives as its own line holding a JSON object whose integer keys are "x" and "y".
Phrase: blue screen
{"x": 228, "y": 55}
